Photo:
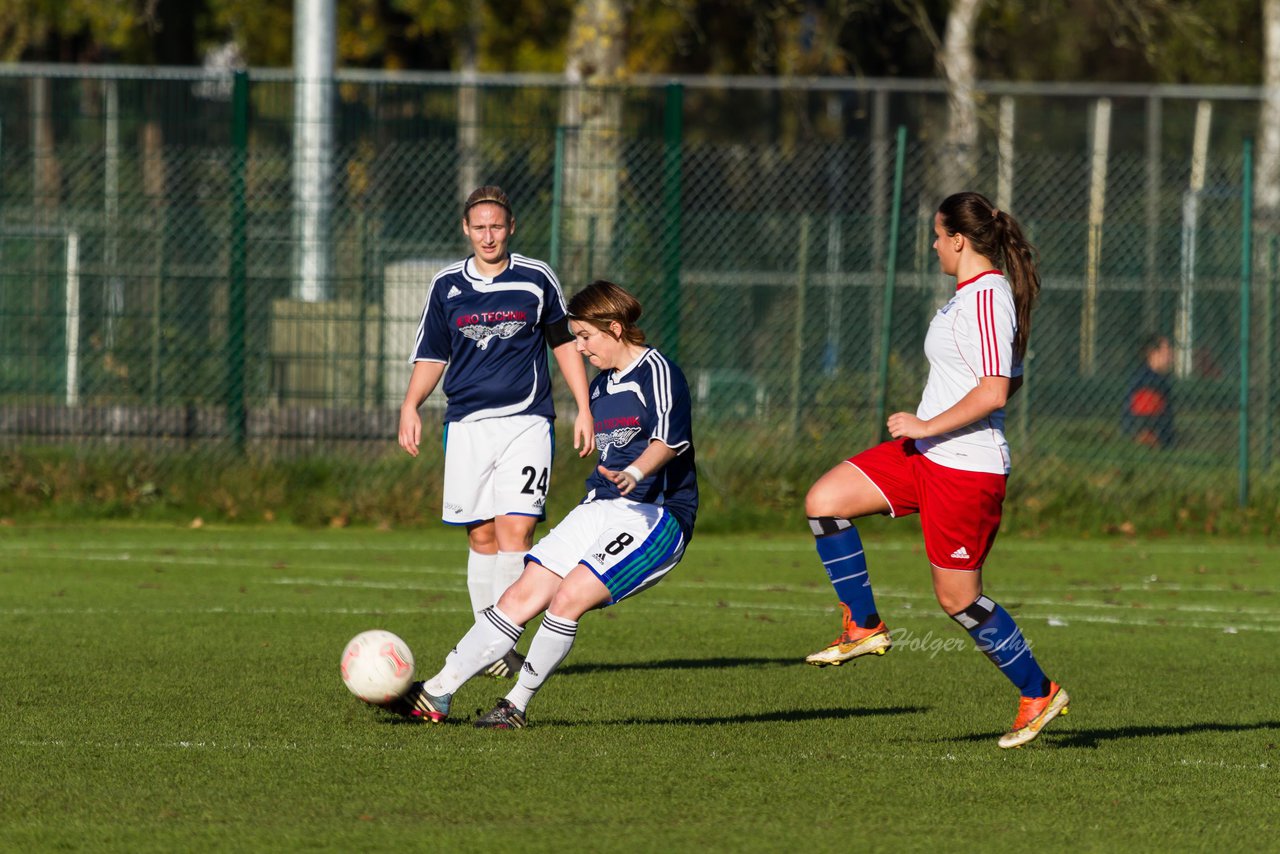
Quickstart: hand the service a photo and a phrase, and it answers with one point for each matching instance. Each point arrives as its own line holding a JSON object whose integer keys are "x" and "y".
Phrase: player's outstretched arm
{"x": 650, "y": 462}
{"x": 423, "y": 381}
{"x": 575, "y": 376}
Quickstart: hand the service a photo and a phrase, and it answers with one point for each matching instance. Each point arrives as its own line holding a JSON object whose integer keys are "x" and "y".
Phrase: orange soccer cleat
{"x": 853, "y": 642}
{"x": 1033, "y": 714}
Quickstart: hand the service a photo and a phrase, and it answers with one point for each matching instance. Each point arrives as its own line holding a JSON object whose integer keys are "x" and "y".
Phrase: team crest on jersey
{"x": 618, "y": 437}
{"x": 482, "y": 334}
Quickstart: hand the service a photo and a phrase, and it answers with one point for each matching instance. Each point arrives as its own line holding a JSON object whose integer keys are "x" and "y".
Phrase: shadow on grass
{"x": 784, "y": 716}
{"x": 1093, "y": 738}
{"x": 676, "y": 664}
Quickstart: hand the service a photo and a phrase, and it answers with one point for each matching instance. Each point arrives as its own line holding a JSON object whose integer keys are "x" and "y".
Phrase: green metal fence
{"x": 780, "y": 240}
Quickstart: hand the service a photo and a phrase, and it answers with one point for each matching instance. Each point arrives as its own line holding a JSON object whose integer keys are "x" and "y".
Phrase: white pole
{"x": 73, "y": 319}
{"x": 314, "y": 50}
{"x": 1097, "y": 213}
{"x": 1185, "y": 332}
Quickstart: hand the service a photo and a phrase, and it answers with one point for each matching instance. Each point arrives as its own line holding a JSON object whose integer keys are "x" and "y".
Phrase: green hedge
{"x": 742, "y": 488}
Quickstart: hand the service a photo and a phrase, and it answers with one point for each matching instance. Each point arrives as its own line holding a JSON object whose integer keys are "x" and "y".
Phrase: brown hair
{"x": 490, "y": 193}
{"x": 601, "y": 303}
{"x": 996, "y": 235}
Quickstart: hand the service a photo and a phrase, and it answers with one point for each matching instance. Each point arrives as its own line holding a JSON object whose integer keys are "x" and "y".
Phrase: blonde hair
{"x": 489, "y": 193}
{"x": 602, "y": 303}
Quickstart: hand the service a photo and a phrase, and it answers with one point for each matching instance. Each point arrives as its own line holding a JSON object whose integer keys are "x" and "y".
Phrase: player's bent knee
{"x": 577, "y": 597}
{"x": 821, "y": 500}
{"x": 955, "y": 601}
{"x": 524, "y": 599}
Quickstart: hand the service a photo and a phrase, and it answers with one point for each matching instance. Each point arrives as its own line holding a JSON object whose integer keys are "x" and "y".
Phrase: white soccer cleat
{"x": 853, "y": 642}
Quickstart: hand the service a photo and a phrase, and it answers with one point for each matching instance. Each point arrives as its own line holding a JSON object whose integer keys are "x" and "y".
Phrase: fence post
{"x": 798, "y": 323}
{"x": 1246, "y": 272}
{"x": 891, "y": 273}
{"x": 1268, "y": 351}
{"x": 236, "y": 411}
{"x": 1152, "y": 213}
{"x": 557, "y": 198}
{"x": 1097, "y": 214}
{"x": 672, "y": 164}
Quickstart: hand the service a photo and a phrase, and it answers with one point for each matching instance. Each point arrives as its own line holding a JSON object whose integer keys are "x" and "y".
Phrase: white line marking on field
{"x": 367, "y": 585}
{"x": 1180, "y": 608}
{"x": 781, "y": 587}
{"x": 216, "y": 545}
{"x": 231, "y": 612}
{"x": 1172, "y": 623}
{"x": 1144, "y": 587}
{"x": 1176, "y": 608}
{"x": 749, "y": 607}
{"x": 125, "y": 557}
{"x": 206, "y": 541}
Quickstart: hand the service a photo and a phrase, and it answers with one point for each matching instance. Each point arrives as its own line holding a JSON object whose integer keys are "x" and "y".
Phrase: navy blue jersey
{"x": 490, "y": 331}
{"x": 647, "y": 401}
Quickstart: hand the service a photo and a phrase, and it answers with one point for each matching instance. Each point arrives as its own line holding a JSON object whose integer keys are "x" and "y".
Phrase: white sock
{"x": 492, "y": 636}
{"x": 480, "y": 570}
{"x": 506, "y": 570}
{"x": 549, "y": 647}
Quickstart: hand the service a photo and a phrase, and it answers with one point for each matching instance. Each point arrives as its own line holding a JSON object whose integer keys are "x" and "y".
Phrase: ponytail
{"x": 996, "y": 235}
{"x": 1019, "y": 259}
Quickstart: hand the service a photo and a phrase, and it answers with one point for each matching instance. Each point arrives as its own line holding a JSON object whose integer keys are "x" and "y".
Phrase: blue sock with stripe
{"x": 999, "y": 638}
{"x": 840, "y": 548}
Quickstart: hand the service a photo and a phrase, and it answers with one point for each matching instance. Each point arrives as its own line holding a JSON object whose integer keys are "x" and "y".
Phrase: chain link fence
{"x": 167, "y": 281}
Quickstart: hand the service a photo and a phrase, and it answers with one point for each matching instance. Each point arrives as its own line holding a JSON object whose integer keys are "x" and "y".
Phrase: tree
{"x": 1268, "y": 168}
{"x": 1267, "y": 203}
{"x": 591, "y": 113}
{"x": 959, "y": 67}
{"x": 132, "y": 31}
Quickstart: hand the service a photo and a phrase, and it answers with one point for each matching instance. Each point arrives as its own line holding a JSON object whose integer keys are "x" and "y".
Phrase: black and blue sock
{"x": 840, "y": 548}
{"x": 999, "y": 638}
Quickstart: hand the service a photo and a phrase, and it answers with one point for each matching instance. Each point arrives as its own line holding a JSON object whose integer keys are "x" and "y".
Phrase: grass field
{"x": 177, "y": 689}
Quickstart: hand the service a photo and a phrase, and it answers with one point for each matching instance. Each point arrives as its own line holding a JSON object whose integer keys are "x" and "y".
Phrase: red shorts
{"x": 959, "y": 510}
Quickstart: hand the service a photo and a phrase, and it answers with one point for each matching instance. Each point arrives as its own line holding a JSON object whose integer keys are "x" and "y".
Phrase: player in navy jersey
{"x": 490, "y": 318}
{"x": 630, "y": 530}
{"x": 949, "y": 460}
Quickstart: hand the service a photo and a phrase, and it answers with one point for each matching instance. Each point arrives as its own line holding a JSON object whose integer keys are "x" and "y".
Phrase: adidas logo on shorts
{"x": 960, "y": 554}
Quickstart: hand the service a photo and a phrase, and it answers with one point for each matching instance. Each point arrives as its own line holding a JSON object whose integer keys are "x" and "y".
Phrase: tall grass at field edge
{"x": 739, "y": 492}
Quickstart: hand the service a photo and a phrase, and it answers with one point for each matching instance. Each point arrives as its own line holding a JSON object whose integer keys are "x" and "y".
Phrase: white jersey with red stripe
{"x": 970, "y": 337}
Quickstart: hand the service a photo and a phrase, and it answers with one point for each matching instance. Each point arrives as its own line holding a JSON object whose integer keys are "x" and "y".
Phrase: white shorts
{"x": 496, "y": 467}
{"x": 630, "y": 546}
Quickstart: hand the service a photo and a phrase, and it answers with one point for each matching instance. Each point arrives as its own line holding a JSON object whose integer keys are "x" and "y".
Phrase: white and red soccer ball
{"x": 377, "y": 666}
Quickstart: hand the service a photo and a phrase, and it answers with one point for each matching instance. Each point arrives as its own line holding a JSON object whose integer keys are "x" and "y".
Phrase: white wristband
{"x": 634, "y": 472}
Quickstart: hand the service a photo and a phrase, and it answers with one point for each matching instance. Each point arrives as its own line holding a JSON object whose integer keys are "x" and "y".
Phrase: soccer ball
{"x": 377, "y": 666}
